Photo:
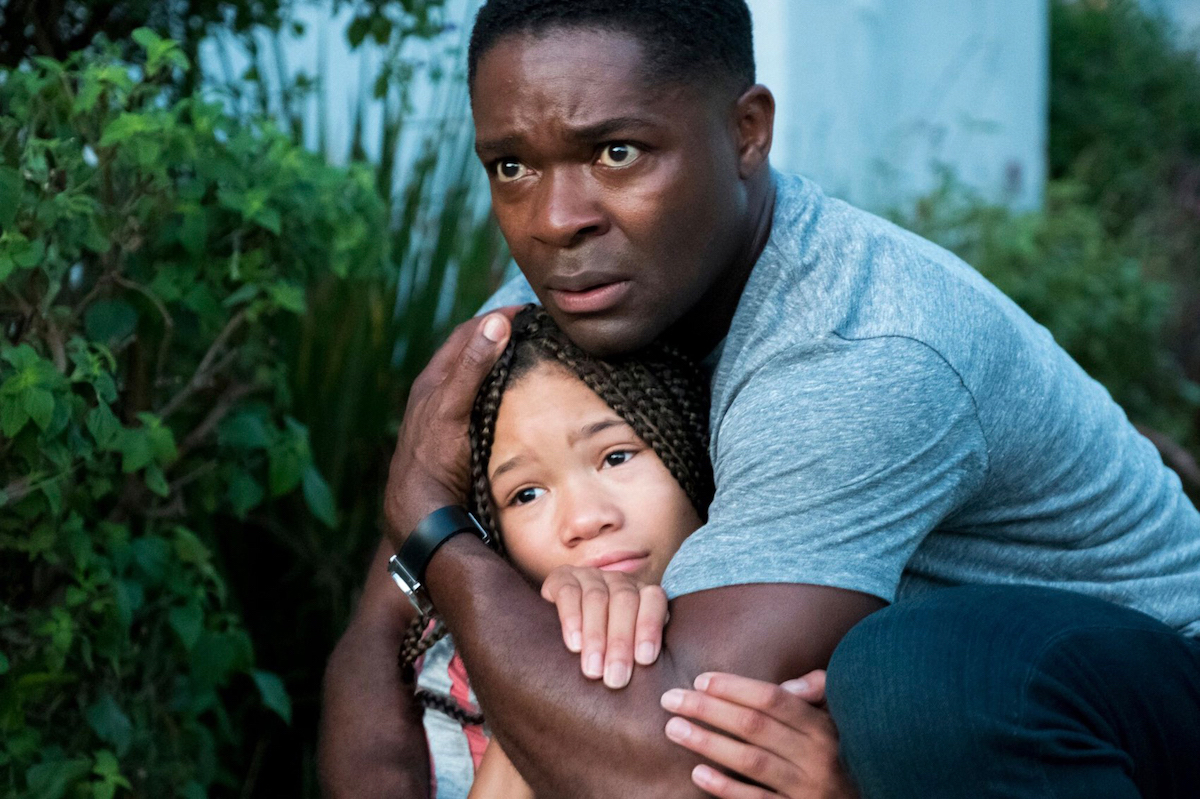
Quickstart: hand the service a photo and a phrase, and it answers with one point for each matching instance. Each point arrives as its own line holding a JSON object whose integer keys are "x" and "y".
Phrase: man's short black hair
{"x": 684, "y": 40}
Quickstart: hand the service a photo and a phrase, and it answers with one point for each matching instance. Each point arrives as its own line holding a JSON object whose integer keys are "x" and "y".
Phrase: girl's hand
{"x": 609, "y": 618}
{"x": 778, "y": 736}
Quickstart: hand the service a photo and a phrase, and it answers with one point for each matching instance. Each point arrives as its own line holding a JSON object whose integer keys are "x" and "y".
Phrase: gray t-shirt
{"x": 885, "y": 420}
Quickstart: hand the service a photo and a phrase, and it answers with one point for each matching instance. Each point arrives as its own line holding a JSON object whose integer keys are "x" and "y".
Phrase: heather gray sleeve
{"x": 832, "y": 464}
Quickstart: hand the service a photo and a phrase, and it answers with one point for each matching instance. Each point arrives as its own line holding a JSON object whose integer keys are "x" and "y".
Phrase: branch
{"x": 230, "y": 398}
{"x": 206, "y": 370}
{"x": 168, "y": 322}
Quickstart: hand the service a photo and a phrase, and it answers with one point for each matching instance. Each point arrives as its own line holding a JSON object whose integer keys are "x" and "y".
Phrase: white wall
{"x": 874, "y": 95}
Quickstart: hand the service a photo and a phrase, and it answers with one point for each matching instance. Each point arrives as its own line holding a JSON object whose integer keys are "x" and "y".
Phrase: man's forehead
{"x": 579, "y": 77}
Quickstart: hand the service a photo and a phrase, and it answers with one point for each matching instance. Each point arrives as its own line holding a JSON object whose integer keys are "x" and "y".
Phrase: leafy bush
{"x": 1125, "y": 129}
{"x": 155, "y": 255}
{"x": 1083, "y": 283}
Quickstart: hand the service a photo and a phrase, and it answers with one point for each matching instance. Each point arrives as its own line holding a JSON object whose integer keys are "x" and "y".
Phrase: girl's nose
{"x": 586, "y": 512}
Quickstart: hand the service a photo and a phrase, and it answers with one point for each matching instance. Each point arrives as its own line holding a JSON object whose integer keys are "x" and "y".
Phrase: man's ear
{"x": 754, "y": 116}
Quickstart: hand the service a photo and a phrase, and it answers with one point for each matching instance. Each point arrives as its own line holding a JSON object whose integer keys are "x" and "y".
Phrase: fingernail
{"x": 672, "y": 699}
{"x": 703, "y": 775}
{"x": 617, "y": 675}
{"x": 575, "y": 641}
{"x": 795, "y": 686}
{"x": 678, "y": 729}
{"x": 702, "y": 681}
{"x": 493, "y": 329}
{"x": 645, "y": 653}
{"x": 594, "y": 666}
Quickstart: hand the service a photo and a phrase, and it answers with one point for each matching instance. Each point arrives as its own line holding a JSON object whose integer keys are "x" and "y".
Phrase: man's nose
{"x": 587, "y": 512}
{"x": 566, "y": 210}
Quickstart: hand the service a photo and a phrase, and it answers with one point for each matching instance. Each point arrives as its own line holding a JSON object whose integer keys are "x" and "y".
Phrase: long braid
{"x": 659, "y": 392}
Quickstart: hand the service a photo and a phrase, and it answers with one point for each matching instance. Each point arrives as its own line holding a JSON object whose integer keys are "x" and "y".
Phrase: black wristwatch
{"x": 407, "y": 566}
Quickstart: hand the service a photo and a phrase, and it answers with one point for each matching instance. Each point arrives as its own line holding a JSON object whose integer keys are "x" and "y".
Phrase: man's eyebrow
{"x": 589, "y": 430}
{"x": 598, "y": 131}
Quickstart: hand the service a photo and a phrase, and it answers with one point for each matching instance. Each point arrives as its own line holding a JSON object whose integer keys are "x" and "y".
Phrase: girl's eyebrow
{"x": 589, "y": 430}
{"x": 507, "y": 466}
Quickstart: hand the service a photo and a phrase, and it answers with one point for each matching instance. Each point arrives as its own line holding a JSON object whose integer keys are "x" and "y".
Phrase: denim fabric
{"x": 986, "y": 691}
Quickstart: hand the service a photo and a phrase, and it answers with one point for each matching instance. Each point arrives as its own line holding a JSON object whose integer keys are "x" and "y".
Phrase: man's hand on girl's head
{"x": 431, "y": 466}
{"x": 610, "y": 618}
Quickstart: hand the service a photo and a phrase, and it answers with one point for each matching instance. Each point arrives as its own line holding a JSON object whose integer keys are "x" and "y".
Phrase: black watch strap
{"x": 433, "y": 531}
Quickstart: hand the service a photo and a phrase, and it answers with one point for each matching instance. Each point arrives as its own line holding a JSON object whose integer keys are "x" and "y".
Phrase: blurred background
{"x": 232, "y": 231}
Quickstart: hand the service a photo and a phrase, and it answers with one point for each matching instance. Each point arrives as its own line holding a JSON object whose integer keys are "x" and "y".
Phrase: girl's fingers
{"x": 750, "y": 725}
{"x": 651, "y": 618}
{"x": 786, "y": 707}
{"x": 747, "y": 760}
{"x": 810, "y": 687}
{"x": 623, "y": 603}
{"x": 709, "y": 779}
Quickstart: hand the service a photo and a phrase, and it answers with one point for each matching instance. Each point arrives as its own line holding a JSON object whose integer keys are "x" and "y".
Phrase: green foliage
{"x": 1070, "y": 274}
{"x": 1125, "y": 129}
{"x": 156, "y": 255}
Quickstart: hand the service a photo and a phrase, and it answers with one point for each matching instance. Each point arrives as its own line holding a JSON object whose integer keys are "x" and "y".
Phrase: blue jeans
{"x": 987, "y": 691}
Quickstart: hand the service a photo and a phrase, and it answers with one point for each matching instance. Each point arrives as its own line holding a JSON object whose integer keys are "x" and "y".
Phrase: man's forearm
{"x": 372, "y": 739}
{"x": 570, "y": 736}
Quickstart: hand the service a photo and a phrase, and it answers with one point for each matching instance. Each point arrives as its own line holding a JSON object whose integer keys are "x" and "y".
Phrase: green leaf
{"x": 289, "y": 296}
{"x": 130, "y": 596}
{"x": 39, "y": 404}
{"x": 285, "y": 469}
{"x": 110, "y": 320}
{"x": 136, "y": 450}
{"x": 269, "y": 218}
{"x": 52, "y": 780}
{"x": 244, "y": 294}
{"x": 156, "y": 481}
{"x": 274, "y": 695}
{"x": 152, "y": 555}
{"x": 4, "y": 665}
{"x": 11, "y": 184}
{"x": 245, "y": 494}
{"x": 30, "y": 255}
{"x": 13, "y": 416}
{"x": 125, "y": 127}
{"x": 109, "y": 722}
{"x": 104, "y": 426}
{"x": 244, "y": 430}
{"x": 318, "y": 497}
{"x": 188, "y": 622}
{"x": 145, "y": 38}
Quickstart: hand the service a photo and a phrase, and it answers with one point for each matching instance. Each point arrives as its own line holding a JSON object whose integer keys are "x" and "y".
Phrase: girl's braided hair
{"x": 658, "y": 391}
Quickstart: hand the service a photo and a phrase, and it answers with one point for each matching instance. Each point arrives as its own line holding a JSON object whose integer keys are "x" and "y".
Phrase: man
{"x": 884, "y": 423}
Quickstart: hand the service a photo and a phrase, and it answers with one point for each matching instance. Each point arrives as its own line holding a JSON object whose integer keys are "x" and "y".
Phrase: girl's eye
{"x": 527, "y": 495}
{"x": 618, "y": 457}
{"x": 619, "y": 155}
{"x": 509, "y": 169}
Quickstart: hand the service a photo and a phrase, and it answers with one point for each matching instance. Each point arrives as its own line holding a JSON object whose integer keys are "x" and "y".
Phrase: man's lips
{"x": 593, "y": 299}
{"x": 619, "y": 561}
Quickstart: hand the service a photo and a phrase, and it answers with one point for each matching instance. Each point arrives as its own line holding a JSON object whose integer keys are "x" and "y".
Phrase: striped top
{"x": 455, "y": 749}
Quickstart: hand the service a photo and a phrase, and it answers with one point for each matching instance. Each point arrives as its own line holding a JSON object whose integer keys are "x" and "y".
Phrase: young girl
{"x": 575, "y": 461}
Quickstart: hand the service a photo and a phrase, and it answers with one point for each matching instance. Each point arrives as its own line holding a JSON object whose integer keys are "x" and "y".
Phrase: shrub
{"x": 154, "y": 254}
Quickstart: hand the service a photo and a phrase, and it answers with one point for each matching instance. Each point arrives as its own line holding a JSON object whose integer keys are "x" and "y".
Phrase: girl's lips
{"x": 620, "y": 561}
{"x": 627, "y": 566}
{"x": 593, "y": 300}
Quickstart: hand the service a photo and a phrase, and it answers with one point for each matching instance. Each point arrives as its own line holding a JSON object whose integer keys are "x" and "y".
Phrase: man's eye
{"x": 619, "y": 155}
{"x": 618, "y": 457}
{"x": 527, "y": 495}
{"x": 509, "y": 169}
